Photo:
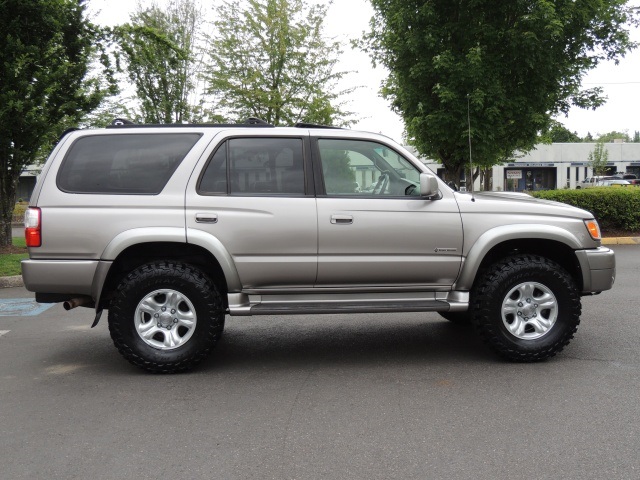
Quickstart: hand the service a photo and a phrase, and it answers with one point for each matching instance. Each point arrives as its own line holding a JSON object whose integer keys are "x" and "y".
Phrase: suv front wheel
{"x": 526, "y": 307}
{"x": 166, "y": 317}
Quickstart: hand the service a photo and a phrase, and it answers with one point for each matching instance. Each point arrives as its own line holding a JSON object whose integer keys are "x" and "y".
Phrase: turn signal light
{"x": 32, "y": 227}
{"x": 594, "y": 229}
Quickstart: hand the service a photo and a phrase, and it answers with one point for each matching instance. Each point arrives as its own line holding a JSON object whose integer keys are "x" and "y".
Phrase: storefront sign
{"x": 532, "y": 164}
{"x": 515, "y": 174}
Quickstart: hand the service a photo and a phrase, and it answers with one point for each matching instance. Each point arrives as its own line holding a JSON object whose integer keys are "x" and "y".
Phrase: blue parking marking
{"x": 22, "y": 307}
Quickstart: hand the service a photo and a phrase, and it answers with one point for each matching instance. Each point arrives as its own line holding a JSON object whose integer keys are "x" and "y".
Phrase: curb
{"x": 9, "y": 282}
{"x": 621, "y": 241}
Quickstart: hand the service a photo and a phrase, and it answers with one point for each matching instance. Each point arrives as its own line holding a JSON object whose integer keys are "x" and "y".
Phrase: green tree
{"x": 598, "y": 159}
{"x": 558, "y": 133}
{"x": 158, "y": 46}
{"x": 611, "y": 136}
{"x": 269, "y": 59}
{"x": 46, "y": 50}
{"x": 510, "y": 66}
{"x": 636, "y": 137}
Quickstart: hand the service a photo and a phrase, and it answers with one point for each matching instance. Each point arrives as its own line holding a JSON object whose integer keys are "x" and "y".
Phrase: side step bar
{"x": 347, "y": 307}
{"x": 247, "y": 305}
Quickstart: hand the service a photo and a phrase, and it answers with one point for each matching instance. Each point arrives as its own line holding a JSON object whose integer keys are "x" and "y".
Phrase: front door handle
{"x": 341, "y": 219}
{"x": 206, "y": 218}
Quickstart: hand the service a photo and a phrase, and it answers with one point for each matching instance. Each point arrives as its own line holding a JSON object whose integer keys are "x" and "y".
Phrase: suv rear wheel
{"x": 526, "y": 308}
{"x": 166, "y": 317}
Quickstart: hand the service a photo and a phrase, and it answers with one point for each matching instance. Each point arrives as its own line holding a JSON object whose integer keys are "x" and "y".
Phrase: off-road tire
{"x": 459, "y": 318}
{"x": 491, "y": 291}
{"x": 191, "y": 284}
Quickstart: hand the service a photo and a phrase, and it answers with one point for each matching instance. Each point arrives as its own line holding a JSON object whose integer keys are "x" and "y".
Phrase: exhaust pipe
{"x": 76, "y": 302}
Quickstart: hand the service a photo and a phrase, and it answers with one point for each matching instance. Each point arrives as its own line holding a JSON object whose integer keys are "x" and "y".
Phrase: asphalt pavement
{"x": 406, "y": 396}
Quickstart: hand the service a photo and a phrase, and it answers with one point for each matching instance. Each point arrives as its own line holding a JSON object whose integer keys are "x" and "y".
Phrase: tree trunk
{"x": 452, "y": 174}
{"x": 8, "y": 188}
{"x": 471, "y": 179}
{"x": 487, "y": 178}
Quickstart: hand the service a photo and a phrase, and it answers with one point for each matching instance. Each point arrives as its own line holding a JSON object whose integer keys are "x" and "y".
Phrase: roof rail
{"x": 121, "y": 121}
{"x": 251, "y": 122}
{"x": 313, "y": 125}
{"x": 67, "y": 132}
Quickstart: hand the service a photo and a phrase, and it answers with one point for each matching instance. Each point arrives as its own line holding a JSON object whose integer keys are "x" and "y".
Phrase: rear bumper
{"x": 598, "y": 269}
{"x": 73, "y": 277}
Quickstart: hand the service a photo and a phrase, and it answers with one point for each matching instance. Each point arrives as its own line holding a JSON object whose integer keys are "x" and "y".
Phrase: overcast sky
{"x": 347, "y": 19}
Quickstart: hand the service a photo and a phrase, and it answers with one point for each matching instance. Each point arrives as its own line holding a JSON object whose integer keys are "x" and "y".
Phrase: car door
{"x": 374, "y": 229}
{"x": 252, "y": 197}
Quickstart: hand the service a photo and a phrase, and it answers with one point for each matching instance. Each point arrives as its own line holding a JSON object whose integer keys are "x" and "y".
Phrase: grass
{"x": 10, "y": 262}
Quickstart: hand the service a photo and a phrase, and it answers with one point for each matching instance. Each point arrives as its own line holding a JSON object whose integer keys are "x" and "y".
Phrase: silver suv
{"x": 172, "y": 227}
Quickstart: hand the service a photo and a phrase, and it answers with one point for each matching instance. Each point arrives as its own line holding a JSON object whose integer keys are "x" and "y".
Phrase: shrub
{"x": 614, "y": 208}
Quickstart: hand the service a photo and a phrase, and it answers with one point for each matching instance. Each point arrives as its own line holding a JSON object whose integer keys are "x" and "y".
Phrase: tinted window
{"x": 123, "y": 164}
{"x": 255, "y": 166}
{"x": 357, "y": 167}
{"x": 214, "y": 179}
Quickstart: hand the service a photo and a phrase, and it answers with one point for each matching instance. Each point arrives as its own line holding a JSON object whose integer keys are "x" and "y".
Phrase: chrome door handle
{"x": 341, "y": 219}
{"x": 206, "y": 218}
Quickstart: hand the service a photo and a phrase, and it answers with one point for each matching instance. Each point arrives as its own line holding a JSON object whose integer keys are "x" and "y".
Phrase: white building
{"x": 558, "y": 165}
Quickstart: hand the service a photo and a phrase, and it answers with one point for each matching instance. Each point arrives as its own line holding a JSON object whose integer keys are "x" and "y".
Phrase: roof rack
{"x": 251, "y": 122}
{"x": 313, "y": 125}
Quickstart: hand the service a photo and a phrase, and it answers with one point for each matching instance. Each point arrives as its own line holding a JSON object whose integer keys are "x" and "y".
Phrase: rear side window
{"x": 123, "y": 164}
{"x": 255, "y": 166}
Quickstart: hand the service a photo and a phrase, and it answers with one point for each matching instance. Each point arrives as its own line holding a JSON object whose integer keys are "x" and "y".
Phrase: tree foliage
{"x": 512, "y": 66}
{"x": 158, "y": 46}
{"x": 46, "y": 50}
{"x": 598, "y": 159}
{"x": 269, "y": 59}
{"x": 612, "y": 136}
{"x": 558, "y": 133}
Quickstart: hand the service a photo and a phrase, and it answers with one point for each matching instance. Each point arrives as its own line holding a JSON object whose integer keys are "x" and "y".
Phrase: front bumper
{"x": 598, "y": 269}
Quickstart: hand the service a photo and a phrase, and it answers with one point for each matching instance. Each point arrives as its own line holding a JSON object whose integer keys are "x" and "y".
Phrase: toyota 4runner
{"x": 171, "y": 227}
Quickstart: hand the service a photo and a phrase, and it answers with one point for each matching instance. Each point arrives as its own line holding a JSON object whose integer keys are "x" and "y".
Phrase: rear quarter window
{"x": 123, "y": 163}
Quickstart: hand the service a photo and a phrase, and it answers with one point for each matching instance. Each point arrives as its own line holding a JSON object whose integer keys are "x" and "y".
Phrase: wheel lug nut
{"x": 173, "y": 310}
{"x": 164, "y": 309}
{"x": 168, "y": 327}
{"x": 156, "y": 315}
{"x": 175, "y": 320}
{"x": 520, "y": 304}
{"x": 159, "y": 325}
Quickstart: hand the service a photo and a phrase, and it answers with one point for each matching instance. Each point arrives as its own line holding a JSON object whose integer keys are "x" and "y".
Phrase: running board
{"x": 347, "y": 307}
{"x": 242, "y": 304}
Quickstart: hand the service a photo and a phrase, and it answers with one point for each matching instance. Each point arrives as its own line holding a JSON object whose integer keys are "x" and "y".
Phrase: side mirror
{"x": 428, "y": 185}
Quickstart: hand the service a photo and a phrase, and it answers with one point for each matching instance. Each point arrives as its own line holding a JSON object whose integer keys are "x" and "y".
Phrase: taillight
{"x": 32, "y": 227}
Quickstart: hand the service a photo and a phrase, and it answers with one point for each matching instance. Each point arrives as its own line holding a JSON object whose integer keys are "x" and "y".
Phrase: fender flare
{"x": 136, "y": 236}
{"x": 504, "y": 233}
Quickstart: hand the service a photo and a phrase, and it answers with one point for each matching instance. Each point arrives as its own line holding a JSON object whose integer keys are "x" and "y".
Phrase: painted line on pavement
{"x": 4, "y": 332}
{"x": 22, "y": 307}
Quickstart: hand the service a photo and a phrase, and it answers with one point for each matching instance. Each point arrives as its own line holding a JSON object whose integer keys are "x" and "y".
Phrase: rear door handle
{"x": 341, "y": 219}
{"x": 206, "y": 218}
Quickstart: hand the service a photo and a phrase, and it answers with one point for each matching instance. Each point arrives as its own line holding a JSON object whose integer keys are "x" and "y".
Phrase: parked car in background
{"x": 595, "y": 181}
{"x": 614, "y": 183}
{"x": 629, "y": 177}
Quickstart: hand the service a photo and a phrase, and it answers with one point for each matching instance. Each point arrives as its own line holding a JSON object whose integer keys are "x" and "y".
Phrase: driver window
{"x": 362, "y": 168}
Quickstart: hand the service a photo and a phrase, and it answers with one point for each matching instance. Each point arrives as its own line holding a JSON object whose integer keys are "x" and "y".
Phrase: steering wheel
{"x": 383, "y": 180}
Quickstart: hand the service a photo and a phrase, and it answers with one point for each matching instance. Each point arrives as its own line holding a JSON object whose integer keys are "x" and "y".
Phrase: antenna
{"x": 470, "y": 161}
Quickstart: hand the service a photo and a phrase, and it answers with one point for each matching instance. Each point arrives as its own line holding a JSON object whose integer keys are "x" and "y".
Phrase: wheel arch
{"x": 215, "y": 263}
{"x": 548, "y": 241}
